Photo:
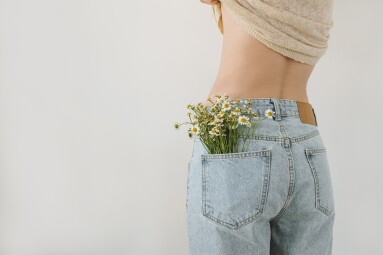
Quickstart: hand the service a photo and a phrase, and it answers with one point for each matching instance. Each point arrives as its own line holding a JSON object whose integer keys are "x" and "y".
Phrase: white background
{"x": 90, "y": 163}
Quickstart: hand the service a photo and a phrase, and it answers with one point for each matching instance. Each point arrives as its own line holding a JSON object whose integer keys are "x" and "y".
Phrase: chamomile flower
{"x": 214, "y": 132}
{"x": 218, "y": 99}
{"x": 247, "y": 107}
{"x": 195, "y": 130}
{"x": 236, "y": 111}
{"x": 269, "y": 113}
{"x": 248, "y": 101}
{"x": 219, "y": 117}
{"x": 219, "y": 125}
{"x": 212, "y": 122}
{"x": 226, "y": 105}
{"x": 243, "y": 120}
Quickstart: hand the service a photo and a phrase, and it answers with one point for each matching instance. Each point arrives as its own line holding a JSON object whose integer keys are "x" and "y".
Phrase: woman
{"x": 277, "y": 197}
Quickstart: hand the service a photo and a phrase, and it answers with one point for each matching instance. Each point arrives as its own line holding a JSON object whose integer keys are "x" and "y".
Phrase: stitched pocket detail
{"x": 235, "y": 186}
{"x": 324, "y": 198}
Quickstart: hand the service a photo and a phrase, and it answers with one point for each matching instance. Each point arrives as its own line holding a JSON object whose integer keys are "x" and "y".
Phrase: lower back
{"x": 249, "y": 69}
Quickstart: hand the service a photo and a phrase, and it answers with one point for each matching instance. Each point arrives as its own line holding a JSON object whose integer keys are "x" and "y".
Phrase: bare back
{"x": 249, "y": 69}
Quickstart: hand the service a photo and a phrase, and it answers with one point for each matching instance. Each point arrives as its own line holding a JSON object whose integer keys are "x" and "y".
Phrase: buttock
{"x": 266, "y": 199}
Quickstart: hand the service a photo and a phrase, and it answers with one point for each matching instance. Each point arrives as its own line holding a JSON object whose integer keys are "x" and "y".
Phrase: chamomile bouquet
{"x": 220, "y": 125}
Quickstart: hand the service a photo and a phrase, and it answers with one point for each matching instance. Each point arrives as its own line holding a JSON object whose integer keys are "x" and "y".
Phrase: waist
{"x": 240, "y": 85}
{"x": 282, "y": 108}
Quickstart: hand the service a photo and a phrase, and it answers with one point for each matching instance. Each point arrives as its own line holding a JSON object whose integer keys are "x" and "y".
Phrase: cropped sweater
{"x": 298, "y": 29}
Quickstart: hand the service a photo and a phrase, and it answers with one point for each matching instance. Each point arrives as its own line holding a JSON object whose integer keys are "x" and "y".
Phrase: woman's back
{"x": 250, "y": 69}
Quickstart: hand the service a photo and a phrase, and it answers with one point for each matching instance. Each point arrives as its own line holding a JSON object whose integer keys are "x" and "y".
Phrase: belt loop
{"x": 277, "y": 108}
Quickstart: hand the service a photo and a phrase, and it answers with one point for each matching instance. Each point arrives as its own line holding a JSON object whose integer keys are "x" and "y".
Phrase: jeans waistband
{"x": 282, "y": 107}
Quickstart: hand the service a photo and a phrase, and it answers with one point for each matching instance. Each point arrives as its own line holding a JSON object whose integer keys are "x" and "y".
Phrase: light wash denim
{"x": 274, "y": 198}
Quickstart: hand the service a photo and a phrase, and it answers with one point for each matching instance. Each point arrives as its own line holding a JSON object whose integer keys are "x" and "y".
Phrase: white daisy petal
{"x": 269, "y": 113}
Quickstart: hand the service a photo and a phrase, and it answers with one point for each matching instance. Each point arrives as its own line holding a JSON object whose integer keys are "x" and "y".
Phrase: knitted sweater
{"x": 298, "y": 29}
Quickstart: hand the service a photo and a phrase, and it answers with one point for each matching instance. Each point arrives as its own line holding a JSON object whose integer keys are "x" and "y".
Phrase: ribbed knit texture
{"x": 298, "y": 29}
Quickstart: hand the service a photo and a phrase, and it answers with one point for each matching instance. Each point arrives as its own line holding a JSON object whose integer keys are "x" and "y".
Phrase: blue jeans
{"x": 274, "y": 198}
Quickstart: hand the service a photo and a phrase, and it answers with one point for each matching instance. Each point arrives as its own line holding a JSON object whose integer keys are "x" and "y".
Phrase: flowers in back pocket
{"x": 221, "y": 125}
{"x": 269, "y": 113}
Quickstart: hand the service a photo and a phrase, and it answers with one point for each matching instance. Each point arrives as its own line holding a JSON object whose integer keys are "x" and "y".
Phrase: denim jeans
{"x": 274, "y": 198}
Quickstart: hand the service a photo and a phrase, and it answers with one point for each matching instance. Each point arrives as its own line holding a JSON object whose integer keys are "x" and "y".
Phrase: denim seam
{"x": 305, "y": 137}
{"x": 309, "y": 152}
{"x": 264, "y": 137}
{"x": 289, "y": 115}
{"x": 280, "y": 139}
{"x": 292, "y": 180}
{"x": 245, "y": 154}
{"x": 231, "y": 232}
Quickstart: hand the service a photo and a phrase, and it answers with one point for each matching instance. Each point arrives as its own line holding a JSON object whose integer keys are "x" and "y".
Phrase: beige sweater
{"x": 298, "y": 29}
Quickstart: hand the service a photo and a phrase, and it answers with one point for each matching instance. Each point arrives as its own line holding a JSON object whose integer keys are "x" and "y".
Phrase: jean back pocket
{"x": 324, "y": 198}
{"x": 235, "y": 186}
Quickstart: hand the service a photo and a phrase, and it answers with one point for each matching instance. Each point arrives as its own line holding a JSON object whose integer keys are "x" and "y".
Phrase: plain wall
{"x": 90, "y": 163}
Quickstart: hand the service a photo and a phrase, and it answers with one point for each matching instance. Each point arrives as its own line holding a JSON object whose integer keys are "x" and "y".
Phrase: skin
{"x": 249, "y": 69}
